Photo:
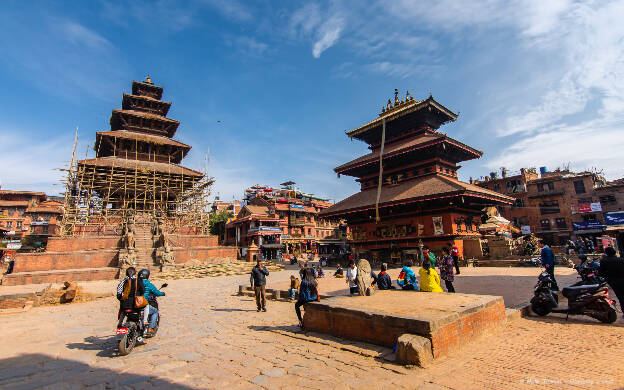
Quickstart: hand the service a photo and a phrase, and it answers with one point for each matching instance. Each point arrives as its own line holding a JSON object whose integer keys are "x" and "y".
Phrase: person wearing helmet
{"x": 151, "y": 313}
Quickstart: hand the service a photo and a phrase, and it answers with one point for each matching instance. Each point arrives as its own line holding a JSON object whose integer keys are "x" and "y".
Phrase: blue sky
{"x": 536, "y": 83}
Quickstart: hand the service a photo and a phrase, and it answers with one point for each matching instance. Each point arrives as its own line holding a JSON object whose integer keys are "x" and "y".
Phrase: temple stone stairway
{"x": 145, "y": 246}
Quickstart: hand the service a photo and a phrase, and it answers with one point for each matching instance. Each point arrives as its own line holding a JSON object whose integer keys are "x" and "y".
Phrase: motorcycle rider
{"x": 127, "y": 289}
{"x": 612, "y": 269}
{"x": 151, "y": 313}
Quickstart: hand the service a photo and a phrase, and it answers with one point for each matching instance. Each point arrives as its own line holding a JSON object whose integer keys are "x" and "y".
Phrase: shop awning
{"x": 615, "y": 227}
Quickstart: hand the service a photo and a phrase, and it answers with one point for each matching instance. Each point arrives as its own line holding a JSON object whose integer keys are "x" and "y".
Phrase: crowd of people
{"x": 580, "y": 246}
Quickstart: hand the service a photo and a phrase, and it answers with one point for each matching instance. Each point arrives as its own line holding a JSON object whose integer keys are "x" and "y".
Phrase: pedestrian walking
{"x": 548, "y": 261}
{"x": 308, "y": 292}
{"x": 612, "y": 269}
{"x": 258, "y": 282}
{"x": 455, "y": 254}
{"x": 446, "y": 270}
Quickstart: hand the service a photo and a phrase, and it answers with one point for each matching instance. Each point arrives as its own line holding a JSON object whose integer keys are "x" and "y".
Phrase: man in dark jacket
{"x": 258, "y": 282}
{"x": 548, "y": 261}
{"x": 383, "y": 279}
{"x": 612, "y": 269}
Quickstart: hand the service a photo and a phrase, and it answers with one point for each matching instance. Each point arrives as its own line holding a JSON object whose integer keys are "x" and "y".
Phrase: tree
{"x": 217, "y": 222}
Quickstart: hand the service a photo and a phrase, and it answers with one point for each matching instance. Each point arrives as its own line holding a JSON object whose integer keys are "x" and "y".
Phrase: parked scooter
{"x": 133, "y": 330}
{"x": 586, "y": 299}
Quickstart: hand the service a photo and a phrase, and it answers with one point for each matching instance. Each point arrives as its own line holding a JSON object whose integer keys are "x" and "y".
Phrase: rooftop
{"x": 429, "y": 187}
{"x": 154, "y": 139}
{"x": 402, "y": 108}
{"x": 145, "y": 115}
{"x": 141, "y": 165}
{"x": 427, "y": 139}
{"x": 14, "y": 203}
{"x": 14, "y": 192}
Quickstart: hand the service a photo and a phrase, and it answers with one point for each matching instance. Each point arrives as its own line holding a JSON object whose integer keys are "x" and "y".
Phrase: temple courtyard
{"x": 210, "y": 337}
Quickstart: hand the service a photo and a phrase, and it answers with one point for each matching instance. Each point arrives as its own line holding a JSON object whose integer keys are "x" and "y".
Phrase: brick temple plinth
{"x": 447, "y": 320}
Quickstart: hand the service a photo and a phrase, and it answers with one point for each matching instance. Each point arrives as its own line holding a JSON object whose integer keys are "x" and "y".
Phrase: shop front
{"x": 615, "y": 228}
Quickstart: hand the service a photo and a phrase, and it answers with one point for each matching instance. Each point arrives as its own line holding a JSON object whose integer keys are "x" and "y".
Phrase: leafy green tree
{"x": 217, "y": 222}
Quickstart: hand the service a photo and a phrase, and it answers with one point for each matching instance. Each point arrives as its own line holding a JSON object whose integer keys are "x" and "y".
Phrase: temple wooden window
{"x": 545, "y": 224}
{"x": 589, "y": 217}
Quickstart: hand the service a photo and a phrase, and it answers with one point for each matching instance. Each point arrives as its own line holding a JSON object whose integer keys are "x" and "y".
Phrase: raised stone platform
{"x": 447, "y": 320}
{"x": 60, "y": 276}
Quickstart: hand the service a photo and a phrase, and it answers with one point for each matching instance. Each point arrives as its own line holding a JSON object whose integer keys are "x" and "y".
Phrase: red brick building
{"x": 281, "y": 222}
{"x": 558, "y": 205}
{"x": 220, "y": 205}
{"x": 420, "y": 200}
{"x": 29, "y": 218}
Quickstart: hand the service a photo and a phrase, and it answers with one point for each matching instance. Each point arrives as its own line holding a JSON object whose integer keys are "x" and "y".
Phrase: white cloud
{"x": 80, "y": 35}
{"x": 61, "y": 56}
{"x": 29, "y": 165}
{"x": 250, "y": 46}
{"x": 324, "y": 28}
{"x": 328, "y": 34}
{"x": 592, "y": 144}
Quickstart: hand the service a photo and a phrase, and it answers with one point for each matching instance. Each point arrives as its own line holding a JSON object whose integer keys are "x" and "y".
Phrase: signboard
{"x": 587, "y": 225}
{"x": 270, "y": 229}
{"x": 438, "y": 228}
{"x": 14, "y": 246}
{"x": 39, "y": 223}
{"x": 595, "y": 207}
{"x": 584, "y": 208}
{"x": 525, "y": 229}
{"x": 616, "y": 218}
{"x": 297, "y": 206}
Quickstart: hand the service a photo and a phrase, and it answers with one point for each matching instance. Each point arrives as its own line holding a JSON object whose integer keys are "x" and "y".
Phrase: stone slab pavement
{"x": 211, "y": 338}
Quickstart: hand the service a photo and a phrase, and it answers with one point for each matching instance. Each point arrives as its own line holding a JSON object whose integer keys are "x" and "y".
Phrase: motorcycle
{"x": 585, "y": 299}
{"x": 131, "y": 329}
{"x": 588, "y": 272}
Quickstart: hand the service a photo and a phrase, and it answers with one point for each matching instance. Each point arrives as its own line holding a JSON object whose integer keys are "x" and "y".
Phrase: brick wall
{"x": 60, "y": 276}
{"x": 179, "y": 240}
{"x": 385, "y": 330}
{"x": 61, "y": 244}
{"x": 46, "y": 261}
{"x": 455, "y": 334}
{"x": 204, "y": 254}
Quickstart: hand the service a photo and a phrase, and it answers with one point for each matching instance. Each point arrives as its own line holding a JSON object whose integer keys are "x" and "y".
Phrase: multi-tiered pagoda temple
{"x": 419, "y": 200}
{"x": 136, "y": 169}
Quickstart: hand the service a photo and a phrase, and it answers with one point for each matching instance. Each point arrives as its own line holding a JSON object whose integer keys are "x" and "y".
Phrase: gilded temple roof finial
{"x": 396, "y": 96}
{"x": 148, "y": 79}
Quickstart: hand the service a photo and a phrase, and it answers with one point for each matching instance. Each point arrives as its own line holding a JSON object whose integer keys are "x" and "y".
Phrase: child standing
{"x": 446, "y": 269}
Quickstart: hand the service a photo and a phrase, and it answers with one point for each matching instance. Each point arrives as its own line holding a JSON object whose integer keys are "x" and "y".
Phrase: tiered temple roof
{"x": 139, "y": 153}
{"x": 419, "y": 163}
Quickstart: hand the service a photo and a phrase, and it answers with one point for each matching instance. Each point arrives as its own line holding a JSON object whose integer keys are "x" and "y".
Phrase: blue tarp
{"x": 616, "y": 218}
{"x": 587, "y": 225}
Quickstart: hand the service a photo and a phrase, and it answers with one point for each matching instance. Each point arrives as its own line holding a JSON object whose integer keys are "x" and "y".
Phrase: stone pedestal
{"x": 446, "y": 320}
